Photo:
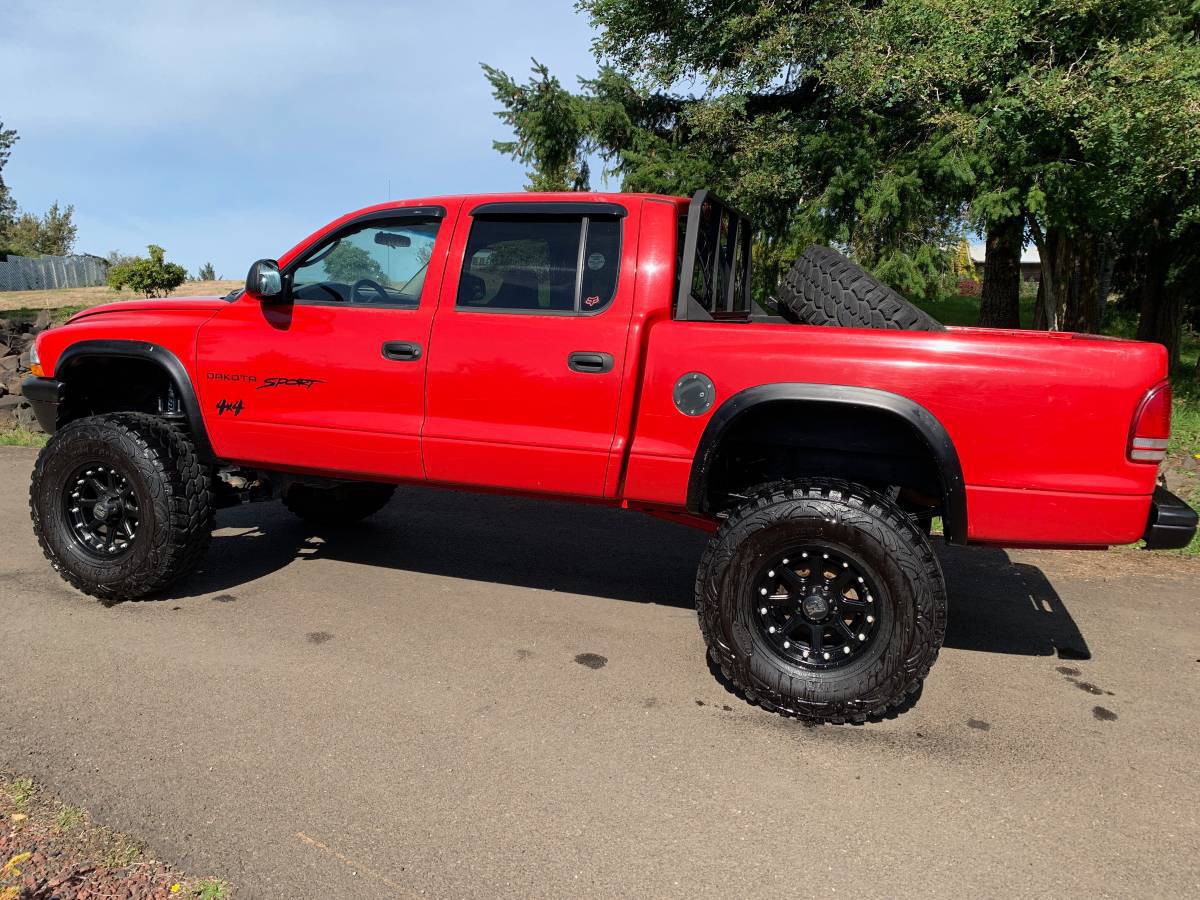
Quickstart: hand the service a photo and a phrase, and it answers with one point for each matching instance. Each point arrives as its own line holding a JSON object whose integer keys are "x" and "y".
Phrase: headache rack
{"x": 714, "y": 261}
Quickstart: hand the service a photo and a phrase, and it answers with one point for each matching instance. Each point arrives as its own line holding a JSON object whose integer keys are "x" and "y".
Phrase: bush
{"x": 151, "y": 277}
{"x": 206, "y": 273}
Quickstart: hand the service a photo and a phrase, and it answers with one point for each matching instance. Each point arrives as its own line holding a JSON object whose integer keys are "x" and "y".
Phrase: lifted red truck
{"x": 604, "y": 347}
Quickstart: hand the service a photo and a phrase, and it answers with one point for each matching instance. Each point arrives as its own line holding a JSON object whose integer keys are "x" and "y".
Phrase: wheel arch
{"x": 903, "y": 420}
{"x": 83, "y": 357}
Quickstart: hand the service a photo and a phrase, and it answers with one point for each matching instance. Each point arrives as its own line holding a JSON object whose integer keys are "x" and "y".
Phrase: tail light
{"x": 1152, "y": 426}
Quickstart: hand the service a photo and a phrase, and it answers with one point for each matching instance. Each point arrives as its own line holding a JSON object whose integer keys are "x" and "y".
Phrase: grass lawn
{"x": 22, "y": 301}
{"x": 960, "y": 310}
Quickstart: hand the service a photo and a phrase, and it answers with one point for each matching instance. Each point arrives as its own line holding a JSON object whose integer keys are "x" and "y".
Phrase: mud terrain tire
{"x": 163, "y": 489}
{"x": 856, "y": 531}
{"x": 825, "y": 288}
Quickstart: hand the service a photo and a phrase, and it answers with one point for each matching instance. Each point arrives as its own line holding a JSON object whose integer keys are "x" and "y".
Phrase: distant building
{"x": 1031, "y": 269}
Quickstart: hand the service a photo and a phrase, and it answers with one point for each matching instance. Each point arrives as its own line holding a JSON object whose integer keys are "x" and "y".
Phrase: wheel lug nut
{"x": 862, "y": 637}
{"x": 826, "y": 655}
{"x": 787, "y": 645}
{"x": 870, "y": 619}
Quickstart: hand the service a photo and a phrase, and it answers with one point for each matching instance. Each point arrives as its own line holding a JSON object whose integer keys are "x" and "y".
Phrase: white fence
{"x": 20, "y": 273}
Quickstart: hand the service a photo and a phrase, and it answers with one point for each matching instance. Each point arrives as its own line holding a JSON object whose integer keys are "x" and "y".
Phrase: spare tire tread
{"x": 825, "y": 288}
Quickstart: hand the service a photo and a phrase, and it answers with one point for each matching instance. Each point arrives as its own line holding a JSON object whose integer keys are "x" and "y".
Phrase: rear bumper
{"x": 44, "y": 395}
{"x": 1172, "y": 523}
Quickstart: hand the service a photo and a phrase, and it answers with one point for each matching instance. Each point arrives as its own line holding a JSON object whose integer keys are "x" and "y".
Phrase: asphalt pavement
{"x": 480, "y": 696}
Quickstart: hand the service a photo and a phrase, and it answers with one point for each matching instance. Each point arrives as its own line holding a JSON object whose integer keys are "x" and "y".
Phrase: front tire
{"x": 122, "y": 505}
{"x": 822, "y": 600}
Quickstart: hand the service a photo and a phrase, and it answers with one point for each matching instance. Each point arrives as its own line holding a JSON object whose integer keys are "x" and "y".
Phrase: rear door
{"x": 528, "y": 347}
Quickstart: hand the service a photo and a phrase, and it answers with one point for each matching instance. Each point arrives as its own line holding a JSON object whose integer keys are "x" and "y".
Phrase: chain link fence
{"x": 19, "y": 273}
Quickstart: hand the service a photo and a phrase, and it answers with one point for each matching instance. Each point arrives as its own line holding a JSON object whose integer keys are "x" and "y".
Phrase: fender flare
{"x": 918, "y": 418}
{"x": 160, "y": 356}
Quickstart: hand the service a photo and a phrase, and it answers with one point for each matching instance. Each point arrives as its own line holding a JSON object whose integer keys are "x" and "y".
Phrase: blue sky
{"x": 229, "y": 131}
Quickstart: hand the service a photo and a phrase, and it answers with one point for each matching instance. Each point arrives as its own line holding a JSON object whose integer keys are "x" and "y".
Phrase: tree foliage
{"x": 51, "y": 234}
{"x": 26, "y": 233}
{"x": 8, "y": 206}
{"x": 206, "y": 273}
{"x": 151, "y": 276}
{"x": 892, "y": 128}
{"x": 347, "y": 263}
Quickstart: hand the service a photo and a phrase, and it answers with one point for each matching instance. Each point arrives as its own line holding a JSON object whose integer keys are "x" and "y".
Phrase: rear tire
{"x": 155, "y": 492}
{"x": 340, "y": 504}
{"x": 846, "y": 640}
{"x": 825, "y": 288}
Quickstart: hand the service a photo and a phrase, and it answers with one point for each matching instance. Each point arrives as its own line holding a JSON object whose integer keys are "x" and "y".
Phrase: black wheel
{"x": 339, "y": 504}
{"x": 121, "y": 505}
{"x": 825, "y": 288}
{"x": 822, "y": 600}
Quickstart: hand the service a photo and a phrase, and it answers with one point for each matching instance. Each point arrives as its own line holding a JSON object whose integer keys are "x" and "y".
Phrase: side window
{"x": 564, "y": 265}
{"x": 380, "y": 263}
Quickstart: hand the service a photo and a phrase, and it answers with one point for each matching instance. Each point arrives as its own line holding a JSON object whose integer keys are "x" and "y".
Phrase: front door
{"x": 332, "y": 379}
{"x": 528, "y": 348}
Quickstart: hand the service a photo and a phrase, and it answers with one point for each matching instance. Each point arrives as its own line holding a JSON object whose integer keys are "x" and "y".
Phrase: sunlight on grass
{"x": 22, "y": 437}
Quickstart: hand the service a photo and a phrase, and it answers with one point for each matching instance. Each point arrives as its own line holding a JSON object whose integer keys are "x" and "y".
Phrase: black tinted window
{"x": 601, "y": 259}
{"x": 534, "y": 264}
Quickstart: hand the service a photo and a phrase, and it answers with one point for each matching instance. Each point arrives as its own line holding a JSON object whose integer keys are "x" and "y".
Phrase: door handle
{"x": 589, "y": 362}
{"x": 402, "y": 351}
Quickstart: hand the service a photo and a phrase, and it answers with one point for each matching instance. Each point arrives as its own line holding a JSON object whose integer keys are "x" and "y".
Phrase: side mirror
{"x": 264, "y": 281}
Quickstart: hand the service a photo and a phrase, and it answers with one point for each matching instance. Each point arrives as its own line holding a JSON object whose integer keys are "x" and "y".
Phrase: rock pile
{"x": 16, "y": 341}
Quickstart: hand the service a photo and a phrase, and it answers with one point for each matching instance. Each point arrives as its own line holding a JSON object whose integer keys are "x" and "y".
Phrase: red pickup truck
{"x": 605, "y": 347}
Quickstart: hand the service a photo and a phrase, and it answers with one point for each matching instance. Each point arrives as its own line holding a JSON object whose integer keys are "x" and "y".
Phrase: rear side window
{"x": 564, "y": 265}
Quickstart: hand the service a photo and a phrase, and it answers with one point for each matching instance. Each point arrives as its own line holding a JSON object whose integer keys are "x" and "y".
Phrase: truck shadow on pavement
{"x": 996, "y": 605}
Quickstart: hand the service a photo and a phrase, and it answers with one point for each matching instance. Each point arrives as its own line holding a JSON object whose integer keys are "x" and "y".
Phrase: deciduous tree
{"x": 151, "y": 276}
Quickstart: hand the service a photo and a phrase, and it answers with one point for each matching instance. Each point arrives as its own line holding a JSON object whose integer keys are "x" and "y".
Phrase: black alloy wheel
{"x": 818, "y": 607}
{"x": 821, "y": 599}
{"x": 102, "y": 509}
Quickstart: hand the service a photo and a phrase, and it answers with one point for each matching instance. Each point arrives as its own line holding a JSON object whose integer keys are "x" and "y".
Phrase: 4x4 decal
{"x": 224, "y": 406}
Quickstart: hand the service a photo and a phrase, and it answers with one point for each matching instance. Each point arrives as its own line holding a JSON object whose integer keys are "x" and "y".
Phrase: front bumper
{"x": 44, "y": 395}
{"x": 1172, "y": 522}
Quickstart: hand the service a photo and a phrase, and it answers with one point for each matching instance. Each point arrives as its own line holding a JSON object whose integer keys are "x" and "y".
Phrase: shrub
{"x": 206, "y": 273}
{"x": 152, "y": 277}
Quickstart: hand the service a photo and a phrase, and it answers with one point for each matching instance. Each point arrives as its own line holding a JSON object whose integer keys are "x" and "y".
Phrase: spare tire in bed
{"x": 825, "y": 288}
